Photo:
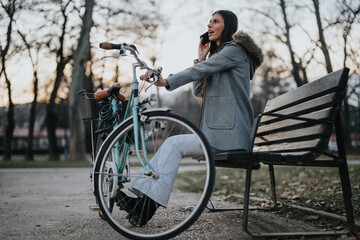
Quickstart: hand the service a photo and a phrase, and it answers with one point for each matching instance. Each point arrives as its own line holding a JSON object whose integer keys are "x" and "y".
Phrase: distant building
{"x": 40, "y": 141}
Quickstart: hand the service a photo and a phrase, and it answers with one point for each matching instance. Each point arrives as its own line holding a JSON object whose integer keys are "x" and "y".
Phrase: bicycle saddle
{"x": 115, "y": 89}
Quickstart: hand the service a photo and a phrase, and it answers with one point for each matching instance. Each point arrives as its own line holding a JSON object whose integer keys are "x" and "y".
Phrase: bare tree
{"x": 77, "y": 144}
{"x": 295, "y": 65}
{"x": 273, "y": 74}
{"x": 61, "y": 60}
{"x": 129, "y": 22}
{"x": 283, "y": 34}
{"x": 348, "y": 16}
{"x": 10, "y": 8}
{"x": 323, "y": 45}
{"x": 34, "y": 62}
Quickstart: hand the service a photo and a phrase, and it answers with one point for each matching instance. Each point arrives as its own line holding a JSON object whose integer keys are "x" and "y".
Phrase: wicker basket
{"x": 89, "y": 107}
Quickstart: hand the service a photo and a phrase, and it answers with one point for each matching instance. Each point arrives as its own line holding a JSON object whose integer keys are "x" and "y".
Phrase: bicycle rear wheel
{"x": 192, "y": 184}
{"x": 107, "y": 185}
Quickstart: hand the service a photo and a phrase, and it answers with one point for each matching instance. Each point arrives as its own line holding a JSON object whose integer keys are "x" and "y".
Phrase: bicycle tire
{"x": 193, "y": 183}
{"x": 98, "y": 144}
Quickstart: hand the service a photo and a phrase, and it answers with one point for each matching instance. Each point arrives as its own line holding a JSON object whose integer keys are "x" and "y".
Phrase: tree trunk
{"x": 295, "y": 65}
{"x": 51, "y": 120}
{"x": 51, "y": 115}
{"x": 347, "y": 124}
{"x": 77, "y": 143}
{"x": 29, "y": 149}
{"x": 324, "y": 47}
{"x": 10, "y": 125}
{"x": 9, "y": 132}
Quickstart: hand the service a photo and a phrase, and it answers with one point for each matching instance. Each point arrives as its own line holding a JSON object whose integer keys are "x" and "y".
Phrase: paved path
{"x": 53, "y": 204}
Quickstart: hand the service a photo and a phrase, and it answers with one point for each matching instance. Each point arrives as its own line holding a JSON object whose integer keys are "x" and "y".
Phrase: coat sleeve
{"x": 227, "y": 58}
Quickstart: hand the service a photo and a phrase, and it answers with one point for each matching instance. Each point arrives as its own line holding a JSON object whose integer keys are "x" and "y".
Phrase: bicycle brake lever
{"x": 112, "y": 56}
{"x": 121, "y": 53}
{"x": 152, "y": 83}
{"x": 156, "y": 78}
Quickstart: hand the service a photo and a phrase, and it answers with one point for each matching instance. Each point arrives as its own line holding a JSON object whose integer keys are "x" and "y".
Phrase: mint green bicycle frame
{"x": 139, "y": 133}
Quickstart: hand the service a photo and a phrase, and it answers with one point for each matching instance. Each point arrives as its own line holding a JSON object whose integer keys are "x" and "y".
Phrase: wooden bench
{"x": 294, "y": 130}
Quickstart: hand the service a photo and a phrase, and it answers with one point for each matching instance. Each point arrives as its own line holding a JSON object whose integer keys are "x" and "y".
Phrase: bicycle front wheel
{"x": 181, "y": 184}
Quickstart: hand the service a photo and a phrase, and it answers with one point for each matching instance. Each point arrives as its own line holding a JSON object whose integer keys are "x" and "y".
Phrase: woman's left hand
{"x": 160, "y": 83}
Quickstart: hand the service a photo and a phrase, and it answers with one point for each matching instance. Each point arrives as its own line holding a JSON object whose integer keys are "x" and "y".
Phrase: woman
{"x": 222, "y": 82}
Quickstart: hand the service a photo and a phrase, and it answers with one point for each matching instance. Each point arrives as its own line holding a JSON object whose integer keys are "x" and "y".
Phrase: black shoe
{"x": 144, "y": 210}
{"x": 124, "y": 202}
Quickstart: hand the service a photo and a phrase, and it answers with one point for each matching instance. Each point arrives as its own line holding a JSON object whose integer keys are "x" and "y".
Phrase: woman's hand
{"x": 160, "y": 83}
{"x": 203, "y": 50}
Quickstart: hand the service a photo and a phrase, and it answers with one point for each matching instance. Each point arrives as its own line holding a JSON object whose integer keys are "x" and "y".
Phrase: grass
{"x": 41, "y": 161}
{"x": 316, "y": 188}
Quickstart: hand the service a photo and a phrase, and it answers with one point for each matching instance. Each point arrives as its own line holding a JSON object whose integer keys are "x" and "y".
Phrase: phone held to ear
{"x": 205, "y": 38}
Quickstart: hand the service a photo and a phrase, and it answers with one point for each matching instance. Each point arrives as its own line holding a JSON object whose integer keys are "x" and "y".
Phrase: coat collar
{"x": 244, "y": 40}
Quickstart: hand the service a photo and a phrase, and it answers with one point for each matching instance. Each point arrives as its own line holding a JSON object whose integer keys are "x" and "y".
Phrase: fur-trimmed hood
{"x": 250, "y": 46}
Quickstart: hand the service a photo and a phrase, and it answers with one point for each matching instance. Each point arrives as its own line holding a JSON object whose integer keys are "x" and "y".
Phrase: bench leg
{"x": 246, "y": 200}
{"x": 346, "y": 189}
{"x": 272, "y": 181}
{"x": 212, "y": 208}
{"x": 345, "y": 184}
{"x": 344, "y": 175}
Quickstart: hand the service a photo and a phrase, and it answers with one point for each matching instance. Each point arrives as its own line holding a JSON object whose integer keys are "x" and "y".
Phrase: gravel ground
{"x": 54, "y": 204}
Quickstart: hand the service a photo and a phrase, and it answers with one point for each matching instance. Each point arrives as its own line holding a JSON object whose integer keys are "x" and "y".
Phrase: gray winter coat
{"x": 227, "y": 114}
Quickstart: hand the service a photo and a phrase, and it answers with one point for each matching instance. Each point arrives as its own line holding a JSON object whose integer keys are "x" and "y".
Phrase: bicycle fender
{"x": 156, "y": 110}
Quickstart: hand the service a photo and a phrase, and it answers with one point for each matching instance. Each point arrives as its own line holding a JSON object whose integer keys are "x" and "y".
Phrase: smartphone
{"x": 205, "y": 39}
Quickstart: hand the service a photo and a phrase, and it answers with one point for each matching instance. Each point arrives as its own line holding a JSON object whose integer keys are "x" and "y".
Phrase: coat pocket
{"x": 220, "y": 112}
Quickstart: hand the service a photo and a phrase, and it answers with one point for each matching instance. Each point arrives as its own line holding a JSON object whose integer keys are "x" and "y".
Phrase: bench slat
{"x": 329, "y": 83}
{"x": 311, "y": 145}
{"x": 310, "y": 132}
{"x": 319, "y": 115}
{"x": 303, "y": 108}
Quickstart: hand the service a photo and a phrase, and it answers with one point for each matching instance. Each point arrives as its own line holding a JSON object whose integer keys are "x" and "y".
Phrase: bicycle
{"x": 125, "y": 153}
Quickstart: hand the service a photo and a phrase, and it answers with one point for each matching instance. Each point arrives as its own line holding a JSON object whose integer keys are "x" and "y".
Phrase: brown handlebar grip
{"x": 101, "y": 95}
{"x": 106, "y": 93}
{"x": 105, "y": 45}
{"x": 109, "y": 46}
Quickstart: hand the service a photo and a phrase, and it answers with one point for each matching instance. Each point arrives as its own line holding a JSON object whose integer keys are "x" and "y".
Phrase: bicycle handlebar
{"x": 125, "y": 47}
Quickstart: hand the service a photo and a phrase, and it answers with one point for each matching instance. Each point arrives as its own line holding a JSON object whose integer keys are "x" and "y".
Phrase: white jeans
{"x": 166, "y": 162}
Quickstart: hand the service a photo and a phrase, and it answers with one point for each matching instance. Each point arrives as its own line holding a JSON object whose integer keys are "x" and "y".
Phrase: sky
{"x": 176, "y": 48}
{"x": 177, "y": 44}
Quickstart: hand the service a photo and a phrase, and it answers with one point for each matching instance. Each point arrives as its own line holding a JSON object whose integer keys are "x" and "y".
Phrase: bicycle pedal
{"x": 94, "y": 207}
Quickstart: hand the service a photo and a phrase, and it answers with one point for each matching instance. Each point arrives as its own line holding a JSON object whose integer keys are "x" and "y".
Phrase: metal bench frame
{"x": 251, "y": 161}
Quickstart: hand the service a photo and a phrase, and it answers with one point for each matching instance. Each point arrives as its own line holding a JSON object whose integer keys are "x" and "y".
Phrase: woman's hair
{"x": 230, "y": 27}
